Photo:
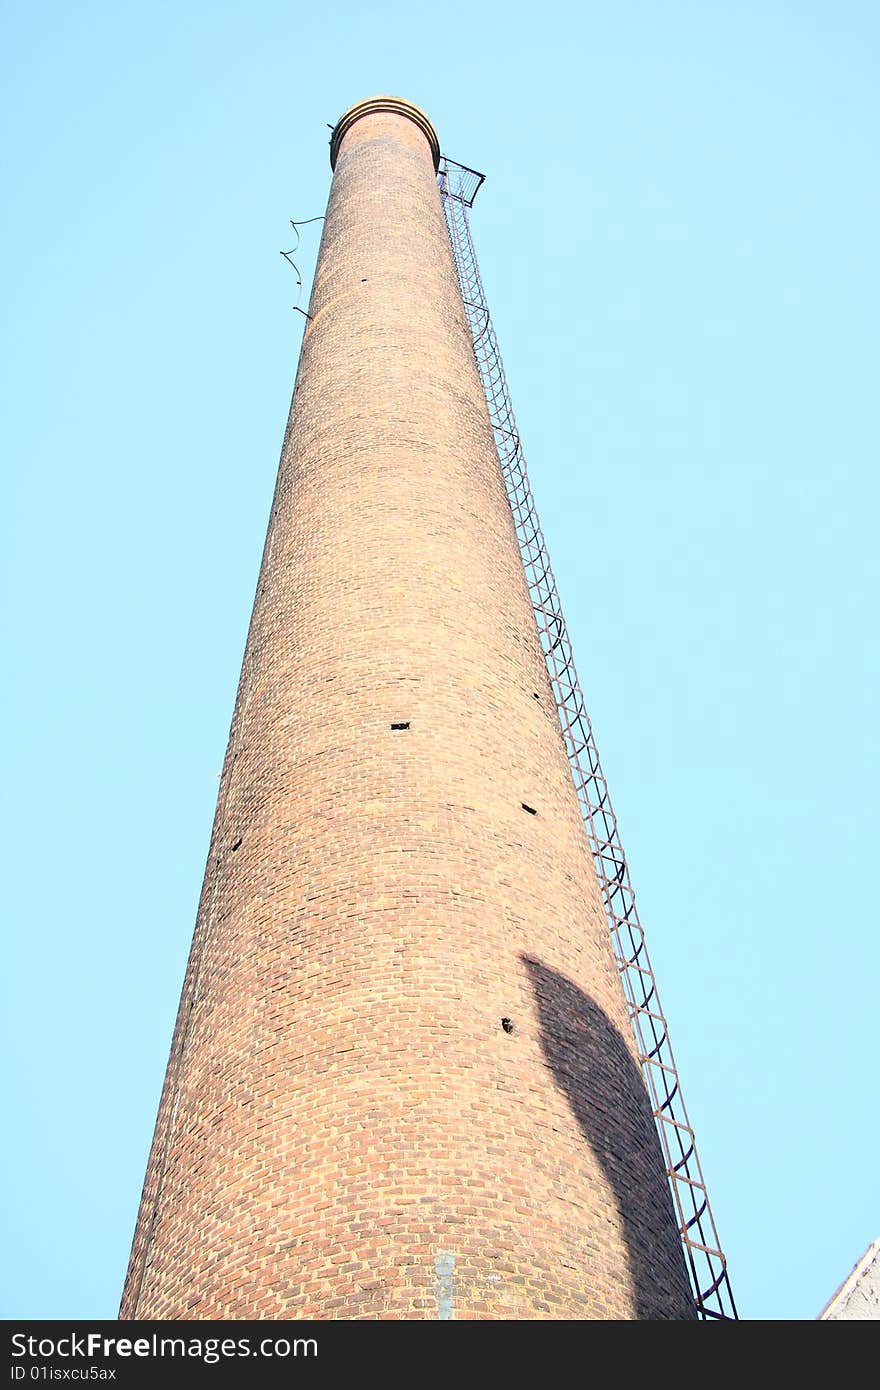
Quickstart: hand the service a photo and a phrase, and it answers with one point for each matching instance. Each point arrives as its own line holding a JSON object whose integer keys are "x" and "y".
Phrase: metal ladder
{"x": 705, "y": 1259}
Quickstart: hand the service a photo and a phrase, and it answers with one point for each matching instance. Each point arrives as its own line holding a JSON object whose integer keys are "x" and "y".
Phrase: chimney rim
{"x": 397, "y": 106}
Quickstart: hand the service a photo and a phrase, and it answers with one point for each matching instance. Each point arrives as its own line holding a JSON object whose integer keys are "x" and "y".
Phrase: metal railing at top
{"x": 706, "y": 1263}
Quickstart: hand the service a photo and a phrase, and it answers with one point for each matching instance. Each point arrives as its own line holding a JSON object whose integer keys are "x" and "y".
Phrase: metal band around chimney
{"x": 371, "y": 107}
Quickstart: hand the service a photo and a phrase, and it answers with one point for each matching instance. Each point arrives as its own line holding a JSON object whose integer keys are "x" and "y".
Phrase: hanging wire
{"x": 705, "y": 1260}
{"x": 289, "y": 255}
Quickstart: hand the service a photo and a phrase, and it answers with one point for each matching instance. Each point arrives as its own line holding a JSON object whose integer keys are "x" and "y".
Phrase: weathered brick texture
{"x": 347, "y": 1130}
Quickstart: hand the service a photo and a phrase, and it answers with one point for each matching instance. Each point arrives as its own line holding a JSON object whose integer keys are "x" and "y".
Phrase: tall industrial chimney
{"x": 403, "y": 1081}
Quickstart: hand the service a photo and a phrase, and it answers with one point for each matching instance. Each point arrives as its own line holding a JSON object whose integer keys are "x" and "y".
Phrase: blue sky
{"x": 678, "y": 238}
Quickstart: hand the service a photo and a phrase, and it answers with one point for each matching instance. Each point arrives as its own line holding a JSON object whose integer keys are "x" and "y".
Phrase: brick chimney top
{"x": 398, "y": 107}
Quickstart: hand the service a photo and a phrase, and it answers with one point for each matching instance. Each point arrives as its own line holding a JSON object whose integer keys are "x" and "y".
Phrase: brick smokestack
{"x": 402, "y": 1082}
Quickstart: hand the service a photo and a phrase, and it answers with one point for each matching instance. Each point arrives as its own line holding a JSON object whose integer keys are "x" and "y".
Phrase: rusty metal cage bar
{"x": 706, "y": 1262}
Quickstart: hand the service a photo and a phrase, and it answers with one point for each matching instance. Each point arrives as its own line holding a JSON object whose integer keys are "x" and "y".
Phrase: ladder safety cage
{"x": 707, "y": 1266}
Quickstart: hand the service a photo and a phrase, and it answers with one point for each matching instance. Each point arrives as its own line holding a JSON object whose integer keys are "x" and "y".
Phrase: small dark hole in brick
{"x": 536, "y": 697}
{"x": 237, "y": 844}
{"x": 507, "y": 1025}
{"x": 363, "y": 282}
{"x": 531, "y": 810}
{"x": 401, "y": 726}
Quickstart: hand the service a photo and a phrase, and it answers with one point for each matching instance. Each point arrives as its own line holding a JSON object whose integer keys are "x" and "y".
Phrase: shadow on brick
{"x": 593, "y": 1068}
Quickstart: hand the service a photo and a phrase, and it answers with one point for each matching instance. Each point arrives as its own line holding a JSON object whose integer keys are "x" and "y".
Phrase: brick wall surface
{"x": 347, "y": 1128}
